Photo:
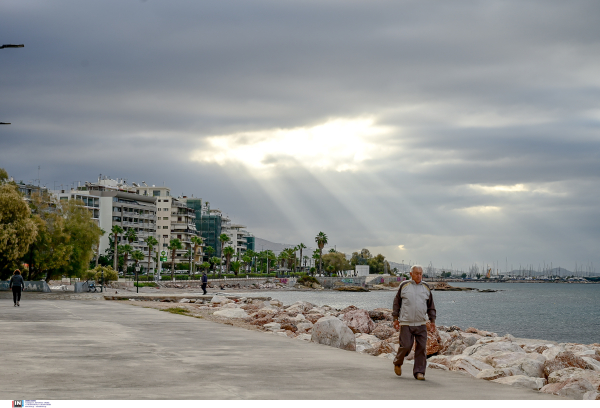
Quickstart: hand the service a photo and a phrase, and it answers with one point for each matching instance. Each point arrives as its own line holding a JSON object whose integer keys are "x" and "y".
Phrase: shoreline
{"x": 567, "y": 369}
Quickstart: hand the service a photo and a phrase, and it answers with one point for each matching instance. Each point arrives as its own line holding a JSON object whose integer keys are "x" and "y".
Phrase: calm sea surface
{"x": 549, "y": 311}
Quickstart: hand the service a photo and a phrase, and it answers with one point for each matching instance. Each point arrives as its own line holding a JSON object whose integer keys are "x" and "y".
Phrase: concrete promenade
{"x": 96, "y": 349}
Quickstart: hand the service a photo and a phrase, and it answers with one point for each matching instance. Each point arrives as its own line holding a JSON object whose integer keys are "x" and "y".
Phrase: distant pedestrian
{"x": 204, "y": 282}
{"x": 17, "y": 284}
{"x": 412, "y": 304}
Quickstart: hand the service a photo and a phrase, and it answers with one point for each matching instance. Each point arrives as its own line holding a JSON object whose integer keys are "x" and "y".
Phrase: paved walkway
{"x": 58, "y": 349}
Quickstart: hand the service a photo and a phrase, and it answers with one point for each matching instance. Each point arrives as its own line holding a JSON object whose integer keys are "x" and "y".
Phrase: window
{"x": 165, "y": 209}
{"x": 165, "y": 218}
{"x": 165, "y": 236}
{"x": 156, "y": 193}
{"x": 159, "y": 209}
{"x": 165, "y": 227}
{"x": 159, "y": 200}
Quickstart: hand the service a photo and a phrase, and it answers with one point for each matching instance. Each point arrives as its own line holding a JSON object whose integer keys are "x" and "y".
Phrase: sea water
{"x": 550, "y": 311}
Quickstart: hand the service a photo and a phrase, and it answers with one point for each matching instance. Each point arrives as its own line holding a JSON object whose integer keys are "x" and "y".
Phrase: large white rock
{"x": 232, "y": 313}
{"x": 367, "y": 338}
{"x": 574, "y": 388}
{"x": 299, "y": 317}
{"x": 532, "y": 365}
{"x": 300, "y": 307}
{"x": 273, "y": 326}
{"x": 437, "y": 366}
{"x": 501, "y": 359}
{"x": 220, "y": 299}
{"x": 591, "y": 396}
{"x": 482, "y": 350}
{"x": 496, "y": 373}
{"x": 593, "y": 363}
{"x": 522, "y": 381}
{"x": 468, "y": 364}
{"x": 553, "y": 351}
{"x": 231, "y": 305}
{"x": 331, "y": 331}
{"x": 276, "y": 303}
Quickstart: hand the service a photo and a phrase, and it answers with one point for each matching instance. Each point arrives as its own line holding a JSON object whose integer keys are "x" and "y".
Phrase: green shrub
{"x": 145, "y": 284}
{"x": 307, "y": 280}
{"x": 109, "y": 274}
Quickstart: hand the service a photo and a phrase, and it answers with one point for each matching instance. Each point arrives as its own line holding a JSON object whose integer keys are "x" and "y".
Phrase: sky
{"x": 442, "y": 133}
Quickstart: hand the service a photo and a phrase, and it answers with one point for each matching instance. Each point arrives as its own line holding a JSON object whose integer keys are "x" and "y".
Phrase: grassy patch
{"x": 142, "y": 284}
{"x": 177, "y": 310}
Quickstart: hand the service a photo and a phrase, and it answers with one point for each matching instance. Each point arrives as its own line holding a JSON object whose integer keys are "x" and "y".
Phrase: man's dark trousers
{"x": 408, "y": 335}
{"x": 204, "y": 288}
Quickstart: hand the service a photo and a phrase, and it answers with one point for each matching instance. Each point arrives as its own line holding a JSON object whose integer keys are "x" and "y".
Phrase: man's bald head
{"x": 416, "y": 273}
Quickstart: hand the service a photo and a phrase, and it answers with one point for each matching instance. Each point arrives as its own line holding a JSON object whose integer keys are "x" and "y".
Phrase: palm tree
{"x": 224, "y": 238}
{"x": 137, "y": 256}
{"x": 321, "y": 240}
{"x": 131, "y": 235}
{"x": 246, "y": 259}
{"x": 205, "y": 266}
{"x": 228, "y": 253}
{"x": 125, "y": 250}
{"x": 215, "y": 260}
{"x": 305, "y": 258}
{"x": 197, "y": 241}
{"x": 174, "y": 245}
{"x": 316, "y": 256}
{"x": 301, "y": 246}
{"x": 116, "y": 231}
{"x": 332, "y": 251}
{"x": 151, "y": 242}
{"x": 102, "y": 232}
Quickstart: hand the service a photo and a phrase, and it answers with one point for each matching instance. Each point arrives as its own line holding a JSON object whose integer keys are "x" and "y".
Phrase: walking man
{"x": 204, "y": 282}
{"x": 17, "y": 283}
{"x": 412, "y": 304}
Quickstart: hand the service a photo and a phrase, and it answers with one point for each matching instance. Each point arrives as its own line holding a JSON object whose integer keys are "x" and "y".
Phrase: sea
{"x": 561, "y": 312}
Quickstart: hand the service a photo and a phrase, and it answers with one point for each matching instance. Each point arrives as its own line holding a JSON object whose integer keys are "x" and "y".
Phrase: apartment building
{"x": 114, "y": 202}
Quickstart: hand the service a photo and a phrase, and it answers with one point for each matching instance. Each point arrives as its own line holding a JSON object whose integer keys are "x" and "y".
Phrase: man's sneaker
{"x": 15, "y": 305}
{"x": 420, "y": 377}
{"x": 398, "y": 370}
{"x": 18, "y": 304}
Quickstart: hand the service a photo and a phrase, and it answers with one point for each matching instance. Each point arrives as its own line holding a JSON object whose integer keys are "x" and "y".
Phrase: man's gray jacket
{"x": 413, "y": 303}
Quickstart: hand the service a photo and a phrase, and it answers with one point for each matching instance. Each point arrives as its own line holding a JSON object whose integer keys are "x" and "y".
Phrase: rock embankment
{"x": 567, "y": 369}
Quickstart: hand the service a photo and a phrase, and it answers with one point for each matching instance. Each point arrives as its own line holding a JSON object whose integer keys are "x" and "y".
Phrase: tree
{"x": 116, "y": 231}
{"x": 131, "y": 235}
{"x": 246, "y": 260}
{"x": 223, "y": 238}
{"x": 337, "y": 260}
{"x": 316, "y": 256}
{"x": 152, "y": 243}
{"x": 301, "y": 246}
{"x": 464, "y": 275}
{"x": 107, "y": 272}
{"x": 215, "y": 260}
{"x": 228, "y": 253}
{"x": 83, "y": 234}
{"x": 205, "y": 266}
{"x": 209, "y": 251}
{"x": 137, "y": 256}
{"x": 126, "y": 250}
{"x": 321, "y": 240}
{"x": 52, "y": 248}
{"x": 174, "y": 245}
{"x": 17, "y": 228}
{"x": 332, "y": 250}
{"x": 378, "y": 264}
{"x": 235, "y": 266}
{"x": 197, "y": 242}
{"x": 361, "y": 258}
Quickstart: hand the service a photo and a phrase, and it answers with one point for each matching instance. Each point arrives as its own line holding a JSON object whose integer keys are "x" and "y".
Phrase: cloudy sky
{"x": 443, "y": 132}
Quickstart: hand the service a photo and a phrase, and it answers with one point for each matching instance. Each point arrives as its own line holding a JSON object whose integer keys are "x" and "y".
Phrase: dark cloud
{"x": 475, "y": 95}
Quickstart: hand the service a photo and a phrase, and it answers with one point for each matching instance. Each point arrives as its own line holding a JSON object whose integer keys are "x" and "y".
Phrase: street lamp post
{"x": 10, "y": 46}
{"x": 137, "y": 278}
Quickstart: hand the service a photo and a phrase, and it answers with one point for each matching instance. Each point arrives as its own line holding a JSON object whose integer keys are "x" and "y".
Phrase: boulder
{"x": 304, "y": 326}
{"x": 502, "y": 359}
{"x": 348, "y": 309}
{"x": 299, "y": 317}
{"x": 493, "y": 374}
{"x": 381, "y": 347}
{"x": 532, "y": 365}
{"x": 313, "y": 317}
{"x": 562, "y": 360}
{"x": 433, "y": 340}
{"x": 220, "y": 300}
{"x": 276, "y": 303}
{"x": 299, "y": 307}
{"x": 381, "y": 314}
{"x": 262, "y": 321}
{"x": 230, "y": 306}
{"x": 272, "y": 326}
{"x": 469, "y": 365}
{"x": 591, "y": 396}
{"x": 551, "y": 352}
{"x": 333, "y": 332}
{"x": 184, "y": 300}
{"x": 440, "y": 360}
{"x": 289, "y": 326}
{"x": 522, "y": 381}
{"x": 303, "y": 336}
{"x": 437, "y": 366}
{"x": 232, "y": 313}
{"x": 383, "y": 331}
{"x": 482, "y": 349}
{"x": 592, "y": 363}
{"x": 572, "y": 388}
{"x": 359, "y": 321}
{"x": 574, "y": 373}
{"x": 471, "y": 340}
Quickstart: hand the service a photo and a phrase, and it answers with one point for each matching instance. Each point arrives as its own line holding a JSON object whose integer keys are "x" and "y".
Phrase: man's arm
{"x": 397, "y": 306}
{"x": 431, "y": 309}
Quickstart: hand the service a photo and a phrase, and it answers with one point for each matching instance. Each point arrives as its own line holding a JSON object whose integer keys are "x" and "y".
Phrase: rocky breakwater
{"x": 566, "y": 369}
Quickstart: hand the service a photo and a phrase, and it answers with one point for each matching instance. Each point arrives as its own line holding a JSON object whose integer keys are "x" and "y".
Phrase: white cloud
{"x": 339, "y": 145}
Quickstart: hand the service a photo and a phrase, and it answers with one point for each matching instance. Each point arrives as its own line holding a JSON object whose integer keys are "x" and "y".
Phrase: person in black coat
{"x": 204, "y": 282}
{"x": 17, "y": 284}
